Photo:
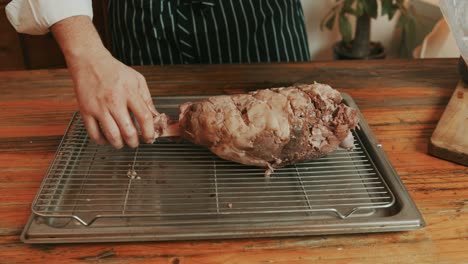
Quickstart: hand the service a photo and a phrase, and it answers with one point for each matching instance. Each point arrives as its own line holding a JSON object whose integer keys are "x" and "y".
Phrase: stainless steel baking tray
{"x": 178, "y": 191}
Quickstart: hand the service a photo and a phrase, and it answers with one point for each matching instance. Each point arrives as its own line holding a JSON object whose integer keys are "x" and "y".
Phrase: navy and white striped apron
{"x": 207, "y": 31}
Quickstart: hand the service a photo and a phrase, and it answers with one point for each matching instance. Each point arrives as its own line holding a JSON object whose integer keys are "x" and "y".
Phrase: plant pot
{"x": 342, "y": 51}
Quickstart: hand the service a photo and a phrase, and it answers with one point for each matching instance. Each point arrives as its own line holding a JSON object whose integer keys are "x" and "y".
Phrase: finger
{"x": 145, "y": 94}
{"x": 111, "y": 130}
{"x": 93, "y": 129}
{"x": 144, "y": 118}
{"x": 126, "y": 126}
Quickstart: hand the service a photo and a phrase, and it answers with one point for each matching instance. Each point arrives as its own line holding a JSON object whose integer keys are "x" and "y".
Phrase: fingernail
{"x": 118, "y": 146}
{"x": 153, "y": 110}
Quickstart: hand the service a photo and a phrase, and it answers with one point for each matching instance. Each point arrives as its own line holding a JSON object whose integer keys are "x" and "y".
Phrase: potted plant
{"x": 360, "y": 46}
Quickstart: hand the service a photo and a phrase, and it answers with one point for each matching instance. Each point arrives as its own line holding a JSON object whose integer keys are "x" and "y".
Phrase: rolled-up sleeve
{"x": 35, "y": 17}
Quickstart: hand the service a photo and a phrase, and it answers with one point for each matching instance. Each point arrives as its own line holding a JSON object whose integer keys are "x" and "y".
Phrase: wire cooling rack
{"x": 170, "y": 180}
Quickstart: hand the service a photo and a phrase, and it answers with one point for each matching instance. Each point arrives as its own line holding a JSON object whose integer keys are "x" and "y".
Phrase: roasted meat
{"x": 270, "y": 128}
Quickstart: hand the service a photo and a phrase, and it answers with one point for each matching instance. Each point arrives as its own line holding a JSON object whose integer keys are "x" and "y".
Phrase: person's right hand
{"x": 106, "y": 89}
{"x": 107, "y": 92}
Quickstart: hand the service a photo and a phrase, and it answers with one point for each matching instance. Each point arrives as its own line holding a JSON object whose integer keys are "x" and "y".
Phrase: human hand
{"x": 107, "y": 90}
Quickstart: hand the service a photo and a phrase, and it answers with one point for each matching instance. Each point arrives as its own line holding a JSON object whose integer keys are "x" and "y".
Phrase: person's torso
{"x": 207, "y": 31}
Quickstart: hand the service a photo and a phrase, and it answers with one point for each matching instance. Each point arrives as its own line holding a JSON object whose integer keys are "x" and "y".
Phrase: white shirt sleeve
{"x": 35, "y": 17}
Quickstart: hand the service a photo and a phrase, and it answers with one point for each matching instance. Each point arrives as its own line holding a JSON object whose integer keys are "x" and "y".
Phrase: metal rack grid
{"x": 172, "y": 180}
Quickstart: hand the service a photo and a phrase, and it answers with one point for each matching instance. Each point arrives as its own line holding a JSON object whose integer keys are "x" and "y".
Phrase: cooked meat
{"x": 271, "y": 128}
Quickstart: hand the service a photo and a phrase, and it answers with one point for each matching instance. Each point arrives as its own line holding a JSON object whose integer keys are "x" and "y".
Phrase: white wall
{"x": 320, "y": 42}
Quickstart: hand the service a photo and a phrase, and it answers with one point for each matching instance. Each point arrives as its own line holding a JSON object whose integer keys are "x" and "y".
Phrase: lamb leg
{"x": 268, "y": 128}
{"x": 164, "y": 127}
{"x": 171, "y": 130}
{"x": 271, "y": 128}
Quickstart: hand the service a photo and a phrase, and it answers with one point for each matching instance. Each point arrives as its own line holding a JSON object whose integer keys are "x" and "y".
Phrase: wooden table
{"x": 401, "y": 99}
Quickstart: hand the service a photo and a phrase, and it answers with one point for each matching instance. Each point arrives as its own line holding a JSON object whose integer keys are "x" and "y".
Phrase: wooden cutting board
{"x": 450, "y": 138}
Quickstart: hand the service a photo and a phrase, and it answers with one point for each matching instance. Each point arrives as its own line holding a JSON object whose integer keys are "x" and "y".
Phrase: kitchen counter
{"x": 402, "y": 100}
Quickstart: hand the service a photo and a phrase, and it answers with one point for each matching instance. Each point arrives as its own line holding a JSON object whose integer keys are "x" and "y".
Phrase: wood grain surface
{"x": 402, "y": 100}
{"x": 450, "y": 138}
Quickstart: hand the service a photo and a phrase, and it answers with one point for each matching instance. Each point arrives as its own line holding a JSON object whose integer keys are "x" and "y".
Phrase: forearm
{"x": 78, "y": 39}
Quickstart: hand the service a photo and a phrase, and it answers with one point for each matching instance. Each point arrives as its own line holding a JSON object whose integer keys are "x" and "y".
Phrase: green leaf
{"x": 386, "y": 7}
{"x": 393, "y": 11}
{"x": 410, "y": 30}
{"x": 401, "y": 21}
{"x": 360, "y": 7}
{"x": 347, "y": 4}
{"x": 351, "y": 11}
{"x": 330, "y": 22}
{"x": 322, "y": 23}
{"x": 371, "y": 8}
{"x": 408, "y": 25}
{"x": 347, "y": 7}
{"x": 345, "y": 27}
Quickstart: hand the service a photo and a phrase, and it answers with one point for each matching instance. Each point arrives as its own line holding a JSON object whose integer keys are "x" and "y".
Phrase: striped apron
{"x": 207, "y": 31}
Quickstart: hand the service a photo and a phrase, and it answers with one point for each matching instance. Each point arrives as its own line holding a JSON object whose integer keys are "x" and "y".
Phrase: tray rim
{"x": 407, "y": 218}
